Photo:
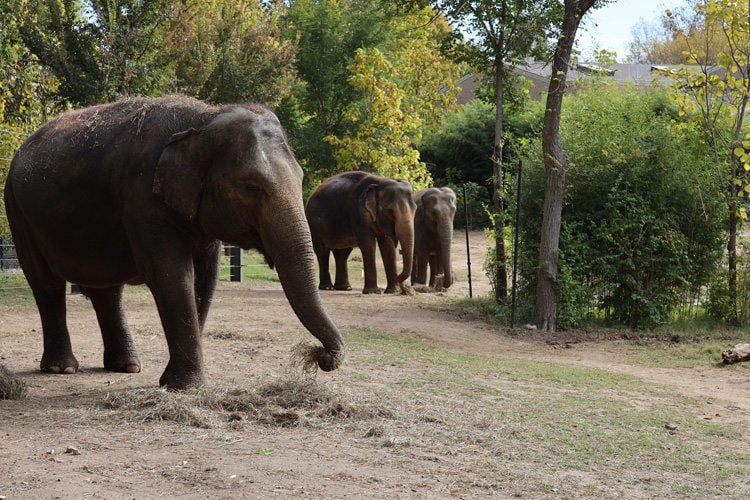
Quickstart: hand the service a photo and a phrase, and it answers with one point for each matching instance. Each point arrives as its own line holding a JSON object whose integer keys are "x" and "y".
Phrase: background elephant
{"x": 141, "y": 190}
{"x": 358, "y": 209}
{"x": 433, "y": 228}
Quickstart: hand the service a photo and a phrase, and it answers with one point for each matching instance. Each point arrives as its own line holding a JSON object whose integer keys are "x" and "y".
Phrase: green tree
{"x": 98, "y": 49}
{"x": 28, "y": 93}
{"x": 382, "y": 140}
{"x": 556, "y": 165}
{"x": 714, "y": 97}
{"x": 230, "y": 51}
{"x": 328, "y": 34}
{"x": 502, "y": 33}
{"x": 643, "y": 212}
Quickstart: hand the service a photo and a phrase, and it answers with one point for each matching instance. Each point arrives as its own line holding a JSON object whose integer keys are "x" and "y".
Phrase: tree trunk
{"x": 501, "y": 275}
{"x": 556, "y": 166}
{"x": 740, "y": 352}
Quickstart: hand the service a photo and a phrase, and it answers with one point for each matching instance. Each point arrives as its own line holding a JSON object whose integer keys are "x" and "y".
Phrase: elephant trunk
{"x": 445, "y": 237}
{"x": 289, "y": 244}
{"x": 405, "y": 235}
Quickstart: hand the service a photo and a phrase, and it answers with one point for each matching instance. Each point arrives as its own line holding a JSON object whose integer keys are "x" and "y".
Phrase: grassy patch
{"x": 255, "y": 268}
{"x": 578, "y": 430}
{"x": 678, "y": 355}
{"x": 14, "y": 290}
{"x": 397, "y": 348}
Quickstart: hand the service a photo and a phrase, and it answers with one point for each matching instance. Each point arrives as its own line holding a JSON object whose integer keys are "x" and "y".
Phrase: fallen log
{"x": 740, "y": 352}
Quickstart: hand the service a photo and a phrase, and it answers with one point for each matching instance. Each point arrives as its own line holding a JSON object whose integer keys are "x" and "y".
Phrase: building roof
{"x": 539, "y": 73}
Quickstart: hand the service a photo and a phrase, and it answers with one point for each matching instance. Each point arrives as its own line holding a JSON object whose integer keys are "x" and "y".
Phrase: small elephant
{"x": 358, "y": 209}
{"x": 433, "y": 230}
{"x": 141, "y": 191}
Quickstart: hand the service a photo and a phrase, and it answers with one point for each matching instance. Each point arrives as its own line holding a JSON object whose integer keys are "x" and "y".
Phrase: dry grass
{"x": 283, "y": 402}
{"x": 11, "y": 387}
{"x": 305, "y": 356}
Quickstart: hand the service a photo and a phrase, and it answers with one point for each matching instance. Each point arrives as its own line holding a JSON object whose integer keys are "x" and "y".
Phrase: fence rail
{"x": 236, "y": 265}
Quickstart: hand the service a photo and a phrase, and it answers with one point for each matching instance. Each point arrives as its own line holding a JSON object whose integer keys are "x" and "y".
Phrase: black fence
{"x": 8, "y": 257}
{"x": 233, "y": 266}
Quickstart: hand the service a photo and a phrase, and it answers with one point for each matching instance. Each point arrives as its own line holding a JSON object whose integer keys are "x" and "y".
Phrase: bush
{"x": 642, "y": 217}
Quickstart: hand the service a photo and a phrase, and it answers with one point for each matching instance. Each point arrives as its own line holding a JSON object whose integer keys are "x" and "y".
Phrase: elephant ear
{"x": 371, "y": 202}
{"x": 179, "y": 174}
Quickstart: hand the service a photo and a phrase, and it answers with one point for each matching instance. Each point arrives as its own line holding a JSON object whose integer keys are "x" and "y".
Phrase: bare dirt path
{"x": 249, "y": 334}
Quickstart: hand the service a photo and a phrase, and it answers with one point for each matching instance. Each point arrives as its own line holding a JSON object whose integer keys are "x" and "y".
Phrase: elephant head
{"x": 436, "y": 208}
{"x": 237, "y": 179}
{"x": 390, "y": 206}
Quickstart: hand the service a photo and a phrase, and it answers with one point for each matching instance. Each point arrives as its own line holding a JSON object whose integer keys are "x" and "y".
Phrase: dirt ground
{"x": 402, "y": 424}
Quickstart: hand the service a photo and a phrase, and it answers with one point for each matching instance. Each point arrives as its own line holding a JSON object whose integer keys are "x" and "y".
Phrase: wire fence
{"x": 236, "y": 265}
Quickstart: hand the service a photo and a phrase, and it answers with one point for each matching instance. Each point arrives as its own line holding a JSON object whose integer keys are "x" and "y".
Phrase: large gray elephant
{"x": 141, "y": 191}
{"x": 433, "y": 229}
{"x": 359, "y": 209}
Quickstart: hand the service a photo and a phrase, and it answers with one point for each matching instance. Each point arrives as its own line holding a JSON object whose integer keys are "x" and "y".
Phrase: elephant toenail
{"x": 68, "y": 370}
{"x": 54, "y": 369}
{"x": 133, "y": 369}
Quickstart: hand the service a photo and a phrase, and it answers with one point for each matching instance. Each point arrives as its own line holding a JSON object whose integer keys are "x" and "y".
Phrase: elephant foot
{"x": 392, "y": 289}
{"x": 325, "y": 286}
{"x": 64, "y": 363}
{"x": 127, "y": 363}
{"x": 343, "y": 287}
{"x": 372, "y": 289}
{"x": 179, "y": 380}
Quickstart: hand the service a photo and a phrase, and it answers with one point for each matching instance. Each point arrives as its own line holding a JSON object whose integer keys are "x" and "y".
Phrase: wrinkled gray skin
{"x": 362, "y": 209}
{"x": 433, "y": 233}
{"x": 141, "y": 191}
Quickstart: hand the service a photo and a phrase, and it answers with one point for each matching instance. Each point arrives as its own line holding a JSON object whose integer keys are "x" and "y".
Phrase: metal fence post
{"x": 468, "y": 252}
{"x": 235, "y": 264}
{"x": 515, "y": 246}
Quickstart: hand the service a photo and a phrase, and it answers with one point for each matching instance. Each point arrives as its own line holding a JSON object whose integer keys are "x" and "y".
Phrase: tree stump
{"x": 740, "y": 352}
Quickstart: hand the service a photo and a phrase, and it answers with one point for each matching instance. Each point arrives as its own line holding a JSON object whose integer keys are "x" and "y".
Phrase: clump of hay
{"x": 11, "y": 387}
{"x": 283, "y": 402}
{"x": 305, "y": 356}
{"x": 440, "y": 283}
{"x": 406, "y": 289}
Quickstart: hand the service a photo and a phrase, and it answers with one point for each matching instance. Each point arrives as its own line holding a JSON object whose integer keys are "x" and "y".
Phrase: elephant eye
{"x": 250, "y": 186}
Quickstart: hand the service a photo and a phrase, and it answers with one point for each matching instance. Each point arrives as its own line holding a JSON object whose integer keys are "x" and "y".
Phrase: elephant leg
{"x": 49, "y": 294}
{"x": 323, "y": 254}
{"x": 367, "y": 246}
{"x": 388, "y": 252}
{"x": 120, "y": 354}
{"x": 58, "y": 354}
{"x": 414, "y": 264}
{"x": 342, "y": 269}
{"x": 206, "y": 273}
{"x": 179, "y": 317}
{"x": 433, "y": 268}
{"x": 165, "y": 262}
{"x": 420, "y": 267}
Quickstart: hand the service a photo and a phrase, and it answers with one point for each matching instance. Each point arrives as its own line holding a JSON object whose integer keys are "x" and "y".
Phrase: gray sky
{"x": 610, "y": 27}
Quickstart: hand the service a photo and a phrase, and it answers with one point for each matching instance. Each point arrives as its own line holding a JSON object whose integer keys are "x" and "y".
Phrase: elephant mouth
{"x": 251, "y": 240}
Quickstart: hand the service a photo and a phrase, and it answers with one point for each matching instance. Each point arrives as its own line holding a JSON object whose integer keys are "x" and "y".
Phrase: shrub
{"x": 642, "y": 217}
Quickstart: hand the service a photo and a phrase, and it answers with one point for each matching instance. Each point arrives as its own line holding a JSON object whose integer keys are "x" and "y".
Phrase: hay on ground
{"x": 283, "y": 402}
{"x": 11, "y": 387}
